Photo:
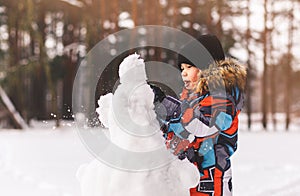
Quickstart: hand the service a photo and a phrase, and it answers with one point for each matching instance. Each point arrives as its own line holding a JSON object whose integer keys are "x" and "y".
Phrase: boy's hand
{"x": 159, "y": 95}
{"x": 177, "y": 145}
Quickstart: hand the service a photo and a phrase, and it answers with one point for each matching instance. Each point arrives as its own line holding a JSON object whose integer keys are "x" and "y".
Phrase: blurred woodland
{"x": 43, "y": 41}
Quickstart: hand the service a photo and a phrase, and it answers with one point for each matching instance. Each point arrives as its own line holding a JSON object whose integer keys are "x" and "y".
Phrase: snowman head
{"x": 133, "y": 97}
{"x": 132, "y": 70}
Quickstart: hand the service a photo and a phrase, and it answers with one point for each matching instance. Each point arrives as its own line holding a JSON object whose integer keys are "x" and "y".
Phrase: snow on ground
{"x": 44, "y": 161}
{"x": 267, "y": 164}
{"x": 40, "y": 162}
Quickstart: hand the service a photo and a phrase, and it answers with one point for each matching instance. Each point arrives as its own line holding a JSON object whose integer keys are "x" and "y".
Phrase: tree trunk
{"x": 265, "y": 71}
{"x": 193, "y": 17}
{"x": 209, "y": 7}
{"x": 135, "y": 21}
{"x": 288, "y": 93}
{"x": 273, "y": 71}
{"x": 220, "y": 8}
{"x": 249, "y": 75}
{"x": 273, "y": 95}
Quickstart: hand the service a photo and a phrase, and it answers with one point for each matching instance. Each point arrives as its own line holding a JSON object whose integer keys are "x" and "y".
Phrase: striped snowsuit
{"x": 205, "y": 127}
{"x": 213, "y": 121}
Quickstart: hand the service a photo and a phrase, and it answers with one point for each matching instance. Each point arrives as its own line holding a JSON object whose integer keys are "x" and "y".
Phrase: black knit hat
{"x": 201, "y": 53}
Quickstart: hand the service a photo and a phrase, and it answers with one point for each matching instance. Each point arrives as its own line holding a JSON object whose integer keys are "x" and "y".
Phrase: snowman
{"x": 130, "y": 121}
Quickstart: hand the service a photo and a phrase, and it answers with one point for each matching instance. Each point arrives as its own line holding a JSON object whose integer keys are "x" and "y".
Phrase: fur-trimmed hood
{"x": 226, "y": 75}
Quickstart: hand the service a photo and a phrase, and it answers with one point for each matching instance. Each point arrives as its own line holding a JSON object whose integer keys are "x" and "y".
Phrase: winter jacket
{"x": 206, "y": 131}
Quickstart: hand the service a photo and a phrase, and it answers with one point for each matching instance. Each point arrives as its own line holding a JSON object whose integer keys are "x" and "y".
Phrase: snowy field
{"x": 43, "y": 161}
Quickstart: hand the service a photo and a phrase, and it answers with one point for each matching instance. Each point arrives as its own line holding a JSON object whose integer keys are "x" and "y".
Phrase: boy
{"x": 206, "y": 130}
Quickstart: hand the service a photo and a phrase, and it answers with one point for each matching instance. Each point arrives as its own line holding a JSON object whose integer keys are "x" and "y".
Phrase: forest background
{"x": 42, "y": 43}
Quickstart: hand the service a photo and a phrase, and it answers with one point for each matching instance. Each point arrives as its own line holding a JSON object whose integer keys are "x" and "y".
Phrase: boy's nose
{"x": 183, "y": 73}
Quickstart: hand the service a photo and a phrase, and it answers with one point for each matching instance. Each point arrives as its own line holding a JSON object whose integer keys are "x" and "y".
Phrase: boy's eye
{"x": 185, "y": 66}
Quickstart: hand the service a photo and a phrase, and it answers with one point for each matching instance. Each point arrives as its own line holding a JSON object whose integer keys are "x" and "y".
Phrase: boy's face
{"x": 190, "y": 76}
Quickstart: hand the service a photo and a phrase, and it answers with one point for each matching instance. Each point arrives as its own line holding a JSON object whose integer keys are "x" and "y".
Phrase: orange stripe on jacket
{"x": 205, "y": 175}
{"x": 209, "y": 101}
{"x": 234, "y": 125}
{"x": 218, "y": 184}
{"x": 188, "y": 115}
